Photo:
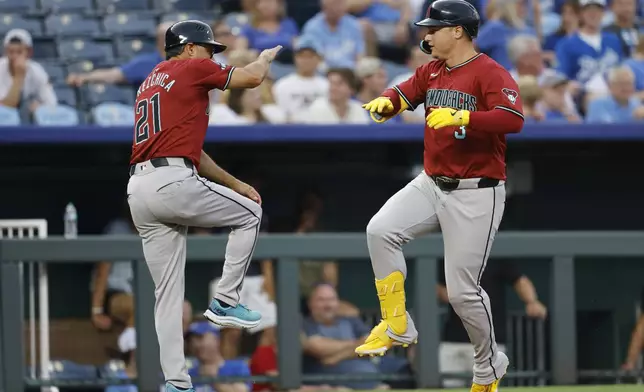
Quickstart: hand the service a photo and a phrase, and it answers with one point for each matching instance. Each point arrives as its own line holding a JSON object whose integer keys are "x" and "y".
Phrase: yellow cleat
{"x": 391, "y": 293}
{"x": 378, "y": 342}
{"x": 494, "y": 387}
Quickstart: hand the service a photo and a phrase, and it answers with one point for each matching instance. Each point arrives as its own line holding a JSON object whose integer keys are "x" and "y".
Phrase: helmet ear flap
{"x": 425, "y": 47}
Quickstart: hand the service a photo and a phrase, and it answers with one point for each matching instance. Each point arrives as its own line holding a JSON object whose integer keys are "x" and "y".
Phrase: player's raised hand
{"x": 380, "y": 105}
{"x": 447, "y": 117}
{"x": 270, "y": 54}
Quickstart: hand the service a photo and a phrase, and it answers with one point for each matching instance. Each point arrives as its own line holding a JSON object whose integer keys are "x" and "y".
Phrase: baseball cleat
{"x": 171, "y": 388}
{"x": 378, "y": 342}
{"x": 232, "y": 316}
{"x": 494, "y": 387}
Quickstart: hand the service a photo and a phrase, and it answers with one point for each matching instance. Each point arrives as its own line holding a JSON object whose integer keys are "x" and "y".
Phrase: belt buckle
{"x": 447, "y": 183}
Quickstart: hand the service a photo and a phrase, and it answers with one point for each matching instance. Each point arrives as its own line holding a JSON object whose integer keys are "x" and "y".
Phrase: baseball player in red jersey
{"x": 471, "y": 102}
{"x": 174, "y": 184}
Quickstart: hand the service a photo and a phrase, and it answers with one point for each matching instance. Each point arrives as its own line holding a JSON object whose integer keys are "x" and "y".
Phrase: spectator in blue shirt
{"x": 589, "y": 51}
{"x": 636, "y": 64}
{"x": 625, "y": 24}
{"x": 554, "y": 86}
{"x": 621, "y": 105}
{"x": 384, "y": 21}
{"x": 339, "y": 35}
{"x": 133, "y": 72}
{"x": 330, "y": 340}
{"x": 269, "y": 27}
{"x": 204, "y": 340}
{"x": 506, "y": 18}
{"x": 569, "y": 25}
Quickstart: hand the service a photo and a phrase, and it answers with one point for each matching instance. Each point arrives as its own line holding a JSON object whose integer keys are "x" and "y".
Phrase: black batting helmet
{"x": 191, "y": 32}
{"x": 444, "y": 13}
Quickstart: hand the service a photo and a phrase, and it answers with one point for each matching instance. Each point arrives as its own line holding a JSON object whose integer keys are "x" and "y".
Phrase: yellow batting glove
{"x": 447, "y": 117}
{"x": 379, "y": 109}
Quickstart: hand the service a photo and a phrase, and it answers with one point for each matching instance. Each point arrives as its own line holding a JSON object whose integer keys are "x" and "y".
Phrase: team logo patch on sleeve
{"x": 511, "y": 94}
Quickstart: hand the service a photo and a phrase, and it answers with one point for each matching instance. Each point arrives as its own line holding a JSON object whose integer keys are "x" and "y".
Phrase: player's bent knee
{"x": 377, "y": 229}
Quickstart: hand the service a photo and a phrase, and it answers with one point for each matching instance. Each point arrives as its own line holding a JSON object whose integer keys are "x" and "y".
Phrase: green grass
{"x": 589, "y": 388}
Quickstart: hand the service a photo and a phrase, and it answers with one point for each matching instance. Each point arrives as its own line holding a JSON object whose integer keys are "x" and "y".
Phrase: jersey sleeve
{"x": 499, "y": 90}
{"x": 413, "y": 90}
{"x": 211, "y": 74}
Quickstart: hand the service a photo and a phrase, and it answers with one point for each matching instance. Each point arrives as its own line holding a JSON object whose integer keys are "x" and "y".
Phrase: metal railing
{"x": 562, "y": 247}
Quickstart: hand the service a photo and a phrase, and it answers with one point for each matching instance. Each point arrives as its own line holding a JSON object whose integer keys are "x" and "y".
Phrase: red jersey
{"x": 263, "y": 363}
{"x": 479, "y": 84}
{"x": 172, "y": 108}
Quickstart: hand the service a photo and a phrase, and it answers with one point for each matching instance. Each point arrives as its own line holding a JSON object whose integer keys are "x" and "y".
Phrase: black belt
{"x": 450, "y": 184}
{"x": 160, "y": 162}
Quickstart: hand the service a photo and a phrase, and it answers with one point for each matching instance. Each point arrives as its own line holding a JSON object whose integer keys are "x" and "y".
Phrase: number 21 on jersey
{"x": 148, "y": 113}
{"x": 461, "y": 133}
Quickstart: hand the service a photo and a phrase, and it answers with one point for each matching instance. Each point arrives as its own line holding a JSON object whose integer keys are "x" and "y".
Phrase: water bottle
{"x": 71, "y": 221}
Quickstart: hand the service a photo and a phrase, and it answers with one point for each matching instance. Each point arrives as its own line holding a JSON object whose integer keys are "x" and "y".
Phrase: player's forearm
{"x": 109, "y": 75}
{"x": 496, "y": 121}
{"x": 12, "y": 99}
{"x": 525, "y": 290}
{"x": 358, "y": 6}
{"x": 321, "y": 347}
{"x": 209, "y": 169}
{"x": 637, "y": 342}
{"x": 441, "y": 292}
{"x": 100, "y": 286}
{"x": 258, "y": 68}
{"x": 346, "y": 353}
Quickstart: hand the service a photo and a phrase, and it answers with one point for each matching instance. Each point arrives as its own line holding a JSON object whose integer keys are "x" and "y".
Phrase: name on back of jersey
{"x": 446, "y": 98}
{"x": 156, "y": 79}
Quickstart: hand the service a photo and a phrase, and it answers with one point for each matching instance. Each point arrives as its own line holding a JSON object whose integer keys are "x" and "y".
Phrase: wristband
{"x": 96, "y": 310}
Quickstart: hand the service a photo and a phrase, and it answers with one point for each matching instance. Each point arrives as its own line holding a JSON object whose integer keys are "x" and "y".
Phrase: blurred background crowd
{"x": 66, "y": 62}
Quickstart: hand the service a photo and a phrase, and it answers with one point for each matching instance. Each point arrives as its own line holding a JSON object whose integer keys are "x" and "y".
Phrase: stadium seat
{"x": 184, "y": 5}
{"x": 85, "y": 49}
{"x": 113, "y": 114}
{"x": 236, "y": 20}
{"x": 59, "y": 115}
{"x": 16, "y": 21}
{"x": 81, "y": 66}
{"x": 111, "y": 369}
{"x": 127, "y": 48}
{"x": 58, "y": 6}
{"x": 66, "y": 95}
{"x": 45, "y": 48}
{"x": 177, "y": 16}
{"x": 96, "y": 93}
{"x": 56, "y": 72}
{"x": 64, "y": 369}
{"x": 9, "y": 116}
{"x": 66, "y": 25}
{"x": 129, "y": 24}
{"x": 109, "y": 6}
{"x": 17, "y": 6}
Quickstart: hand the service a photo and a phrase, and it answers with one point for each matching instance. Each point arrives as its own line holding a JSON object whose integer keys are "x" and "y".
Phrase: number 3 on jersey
{"x": 461, "y": 133}
{"x": 143, "y": 109}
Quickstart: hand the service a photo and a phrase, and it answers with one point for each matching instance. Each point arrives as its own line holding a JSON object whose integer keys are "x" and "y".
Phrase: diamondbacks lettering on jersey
{"x": 450, "y": 98}
{"x": 156, "y": 79}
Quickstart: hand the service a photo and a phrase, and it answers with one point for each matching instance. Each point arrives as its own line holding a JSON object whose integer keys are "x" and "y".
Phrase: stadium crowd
{"x": 69, "y": 62}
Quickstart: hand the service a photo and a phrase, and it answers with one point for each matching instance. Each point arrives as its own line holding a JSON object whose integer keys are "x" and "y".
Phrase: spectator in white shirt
{"x": 245, "y": 108}
{"x": 339, "y": 107}
{"x": 22, "y": 80}
{"x": 416, "y": 58}
{"x": 295, "y": 92}
{"x": 372, "y": 78}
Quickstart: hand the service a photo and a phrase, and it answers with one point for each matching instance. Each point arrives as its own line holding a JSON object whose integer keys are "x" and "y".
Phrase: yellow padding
{"x": 391, "y": 293}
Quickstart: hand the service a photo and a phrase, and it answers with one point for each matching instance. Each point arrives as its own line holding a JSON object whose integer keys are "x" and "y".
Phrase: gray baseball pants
{"x": 468, "y": 218}
{"x": 164, "y": 202}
